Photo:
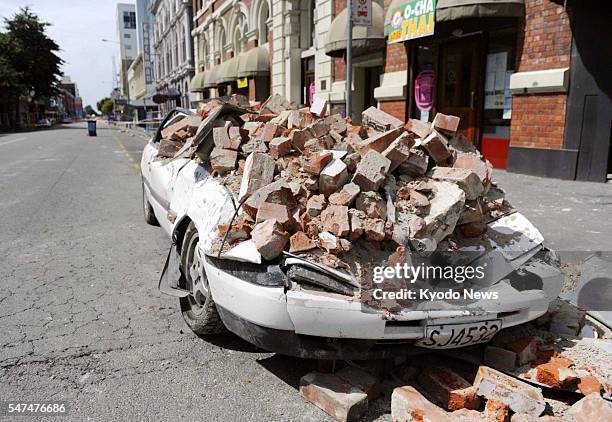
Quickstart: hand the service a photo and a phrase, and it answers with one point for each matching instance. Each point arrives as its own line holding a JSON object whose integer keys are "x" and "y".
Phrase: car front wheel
{"x": 199, "y": 310}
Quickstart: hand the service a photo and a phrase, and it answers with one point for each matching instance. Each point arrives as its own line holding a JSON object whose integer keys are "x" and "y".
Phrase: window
{"x": 264, "y": 15}
{"x": 128, "y": 47}
{"x": 129, "y": 20}
{"x": 127, "y": 36}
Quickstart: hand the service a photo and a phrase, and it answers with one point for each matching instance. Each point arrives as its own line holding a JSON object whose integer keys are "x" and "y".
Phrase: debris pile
{"x": 316, "y": 184}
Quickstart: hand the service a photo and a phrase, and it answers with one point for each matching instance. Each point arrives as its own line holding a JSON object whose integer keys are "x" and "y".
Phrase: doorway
{"x": 460, "y": 83}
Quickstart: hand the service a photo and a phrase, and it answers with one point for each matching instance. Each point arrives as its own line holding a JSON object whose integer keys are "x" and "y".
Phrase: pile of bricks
{"x": 318, "y": 185}
{"x": 445, "y": 390}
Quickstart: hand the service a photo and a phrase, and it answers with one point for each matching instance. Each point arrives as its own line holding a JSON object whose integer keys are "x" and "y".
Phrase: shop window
{"x": 500, "y": 64}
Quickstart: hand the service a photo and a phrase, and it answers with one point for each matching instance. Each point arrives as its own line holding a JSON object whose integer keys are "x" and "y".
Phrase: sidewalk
{"x": 572, "y": 216}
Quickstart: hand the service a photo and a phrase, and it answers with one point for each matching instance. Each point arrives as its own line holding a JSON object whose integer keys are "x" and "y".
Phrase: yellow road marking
{"x": 135, "y": 165}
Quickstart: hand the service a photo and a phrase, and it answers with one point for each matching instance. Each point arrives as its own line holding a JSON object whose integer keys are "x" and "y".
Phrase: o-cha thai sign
{"x": 412, "y": 19}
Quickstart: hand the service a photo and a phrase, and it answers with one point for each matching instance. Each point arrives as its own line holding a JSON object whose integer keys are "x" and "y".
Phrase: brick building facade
{"x": 504, "y": 66}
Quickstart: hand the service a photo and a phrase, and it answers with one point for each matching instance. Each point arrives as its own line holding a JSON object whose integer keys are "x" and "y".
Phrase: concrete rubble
{"x": 324, "y": 188}
{"x": 382, "y": 183}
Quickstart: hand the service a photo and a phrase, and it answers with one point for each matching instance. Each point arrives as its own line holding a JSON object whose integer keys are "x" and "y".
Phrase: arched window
{"x": 222, "y": 43}
{"x": 264, "y": 16}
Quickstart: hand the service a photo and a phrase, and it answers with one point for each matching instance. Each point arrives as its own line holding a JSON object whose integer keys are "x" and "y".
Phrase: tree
{"x": 105, "y": 105}
{"x": 102, "y": 101}
{"x": 29, "y": 64}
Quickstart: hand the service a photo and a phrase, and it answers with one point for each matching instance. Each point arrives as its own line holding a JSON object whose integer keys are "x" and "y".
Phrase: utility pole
{"x": 349, "y": 57}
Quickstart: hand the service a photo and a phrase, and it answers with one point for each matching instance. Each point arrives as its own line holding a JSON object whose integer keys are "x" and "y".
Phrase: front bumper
{"x": 306, "y": 323}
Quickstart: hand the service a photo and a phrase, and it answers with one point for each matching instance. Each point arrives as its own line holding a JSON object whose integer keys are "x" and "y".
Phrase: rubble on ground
{"x": 319, "y": 186}
{"x": 381, "y": 185}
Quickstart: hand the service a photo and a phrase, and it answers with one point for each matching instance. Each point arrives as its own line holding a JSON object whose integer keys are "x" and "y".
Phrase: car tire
{"x": 198, "y": 309}
{"x": 149, "y": 214}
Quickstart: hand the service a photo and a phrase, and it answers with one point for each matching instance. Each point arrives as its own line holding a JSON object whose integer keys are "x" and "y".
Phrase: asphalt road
{"x": 81, "y": 319}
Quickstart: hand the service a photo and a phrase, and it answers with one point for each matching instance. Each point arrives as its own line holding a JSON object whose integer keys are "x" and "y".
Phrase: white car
{"x": 271, "y": 305}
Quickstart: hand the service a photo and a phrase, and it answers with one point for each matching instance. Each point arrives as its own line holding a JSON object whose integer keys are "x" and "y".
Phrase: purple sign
{"x": 423, "y": 90}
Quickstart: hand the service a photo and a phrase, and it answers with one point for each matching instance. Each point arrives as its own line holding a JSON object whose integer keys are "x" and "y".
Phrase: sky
{"x": 78, "y": 27}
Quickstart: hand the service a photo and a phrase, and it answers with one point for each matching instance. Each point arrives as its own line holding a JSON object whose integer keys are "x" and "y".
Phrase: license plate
{"x": 450, "y": 336}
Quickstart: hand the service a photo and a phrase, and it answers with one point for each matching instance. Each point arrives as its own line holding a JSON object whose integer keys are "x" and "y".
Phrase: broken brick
{"x": 496, "y": 411}
{"x": 270, "y": 131}
{"x": 379, "y": 120}
{"x": 300, "y": 242}
{"x": 319, "y": 107}
{"x": 520, "y": 396}
{"x": 591, "y": 408}
{"x": 222, "y": 160}
{"x": 277, "y": 192}
{"x": 351, "y": 161}
{"x": 437, "y": 147}
{"x": 372, "y": 204}
{"x": 240, "y": 230}
{"x": 374, "y": 229}
{"x": 222, "y": 140}
{"x": 275, "y": 104}
{"x": 588, "y": 385}
{"x": 258, "y": 172}
{"x": 556, "y": 373}
{"x": 189, "y": 124}
{"x": 254, "y": 145}
{"x": 299, "y": 119}
{"x": 334, "y": 396}
{"x": 319, "y": 128}
{"x": 345, "y": 196}
{"x": 329, "y": 242}
{"x": 418, "y": 199}
{"x": 238, "y": 135}
{"x": 382, "y": 141}
{"x": 399, "y": 150}
{"x": 272, "y": 211}
{"x": 467, "y": 180}
{"x": 446, "y": 123}
{"x": 335, "y": 220}
{"x": 357, "y": 219}
{"x": 449, "y": 388}
{"x": 407, "y": 404}
{"x": 337, "y": 124}
{"x": 270, "y": 238}
{"x": 419, "y": 128}
{"x": 279, "y": 147}
{"x": 371, "y": 171}
{"x": 415, "y": 165}
{"x": 477, "y": 164}
{"x": 333, "y": 176}
{"x": 315, "y": 163}
{"x": 315, "y": 205}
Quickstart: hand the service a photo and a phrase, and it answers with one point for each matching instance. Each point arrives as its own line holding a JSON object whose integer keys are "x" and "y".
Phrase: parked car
{"x": 67, "y": 120}
{"x": 42, "y": 123}
{"x": 266, "y": 304}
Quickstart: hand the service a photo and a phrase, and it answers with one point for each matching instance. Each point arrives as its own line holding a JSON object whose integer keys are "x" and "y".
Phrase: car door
{"x": 159, "y": 175}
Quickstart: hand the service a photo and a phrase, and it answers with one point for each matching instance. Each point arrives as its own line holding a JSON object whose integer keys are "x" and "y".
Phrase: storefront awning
{"x": 365, "y": 38}
{"x": 197, "y": 82}
{"x": 256, "y": 62}
{"x": 449, "y": 10}
{"x": 210, "y": 77}
{"x": 165, "y": 95}
{"x": 228, "y": 71}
